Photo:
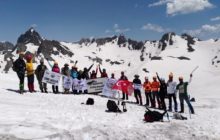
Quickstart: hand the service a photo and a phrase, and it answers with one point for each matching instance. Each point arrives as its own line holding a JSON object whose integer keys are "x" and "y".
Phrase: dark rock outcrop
{"x": 167, "y": 39}
{"x": 30, "y": 36}
{"x": 190, "y": 41}
{"x": 48, "y": 47}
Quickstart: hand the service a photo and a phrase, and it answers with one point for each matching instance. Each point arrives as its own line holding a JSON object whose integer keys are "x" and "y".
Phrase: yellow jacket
{"x": 29, "y": 68}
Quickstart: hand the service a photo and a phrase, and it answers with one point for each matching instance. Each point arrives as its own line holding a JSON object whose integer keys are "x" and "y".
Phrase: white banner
{"x": 79, "y": 85}
{"x": 137, "y": 86}
{"x": 67, "y": 82}
{"x": 95, "y": 85}
{"x": 107, "y": 89}
{"x": 51, "y": 77}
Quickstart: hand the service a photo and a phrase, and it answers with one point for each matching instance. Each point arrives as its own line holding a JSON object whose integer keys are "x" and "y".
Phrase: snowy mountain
{"x": 63, "y": 117}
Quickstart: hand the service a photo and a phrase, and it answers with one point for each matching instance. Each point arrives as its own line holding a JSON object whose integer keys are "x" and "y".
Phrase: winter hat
{"x": 136, "y": 76}
{"x": 154, "y": 77}
{"x": 28, "y": 57}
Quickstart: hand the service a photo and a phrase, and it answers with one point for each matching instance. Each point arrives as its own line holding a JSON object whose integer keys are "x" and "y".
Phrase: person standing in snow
{"x": 123, "y": 77}
{"x": 155, "y": 85}
{"x": 162, "y": 92}
{"x": 30, "y": 73}
{"x": 137, "y": 89}
{"x": 103, "y": 72}
{"x": 19, "y": 67}
{"x": 183, "y": 94}
{"x": 56, "y": 69}
{"x": 171, "y": 92}
{"x": 67, "y": 83}
{"x": 85, "y": 73}
{"x": 93, "y": 74}
{"x": 40, "y": 74}
{"x": 74, "y": 72}
{"x": 147, "y": 89}
{"x": 65, "y": 70}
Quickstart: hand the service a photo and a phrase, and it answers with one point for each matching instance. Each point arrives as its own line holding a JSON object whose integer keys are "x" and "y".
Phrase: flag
{"x": 125, "y": 86}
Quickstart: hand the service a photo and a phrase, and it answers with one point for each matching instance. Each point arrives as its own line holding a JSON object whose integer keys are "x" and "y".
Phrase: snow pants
{"x": 185, "y": 97}
{"x": 155, "y": 96}
{"x": 137, "y": 94}
{"x": 148, "y": 98}
{"x": 170, "y": 96}
{"x": 31, "y": 82}
{"x": 21, "y": 79}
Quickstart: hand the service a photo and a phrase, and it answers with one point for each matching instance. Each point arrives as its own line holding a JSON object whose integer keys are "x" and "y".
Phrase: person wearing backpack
{"x": 40, "y": 74}
{"x": 30, "y": 73}
{"x": 147, "y": 89}
{"x": 183, "y": 94}
{"x": 171, "y": 92}
{"x": 19, "y": 67}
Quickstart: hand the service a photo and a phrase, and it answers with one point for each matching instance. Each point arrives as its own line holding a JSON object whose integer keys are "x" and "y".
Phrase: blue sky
{"x": 71, "y": 20}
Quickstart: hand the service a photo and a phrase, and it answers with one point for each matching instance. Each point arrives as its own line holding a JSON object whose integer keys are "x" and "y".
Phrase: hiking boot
{"x": 181, "y": 112}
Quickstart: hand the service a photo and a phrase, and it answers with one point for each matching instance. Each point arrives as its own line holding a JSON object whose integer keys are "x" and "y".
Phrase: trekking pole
{"x": 194, "y": 69}
{"x": 189, "y": 109}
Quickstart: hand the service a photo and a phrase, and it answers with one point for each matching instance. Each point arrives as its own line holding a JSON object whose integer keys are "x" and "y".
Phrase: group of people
{"x": 155, "y": 91}
{"x": 23, "y": 68}
{"x": 159, "y": 89}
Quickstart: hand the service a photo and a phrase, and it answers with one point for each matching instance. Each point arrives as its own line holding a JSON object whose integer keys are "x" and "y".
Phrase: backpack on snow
{"x": 112, "y": 106}
{"x": 152, "y": 116}
{"x": 90, "y": 101}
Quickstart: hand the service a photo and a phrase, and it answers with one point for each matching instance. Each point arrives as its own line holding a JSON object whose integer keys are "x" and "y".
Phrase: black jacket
{"x": 40, "y": 71}
{"x": 19, "y": 66}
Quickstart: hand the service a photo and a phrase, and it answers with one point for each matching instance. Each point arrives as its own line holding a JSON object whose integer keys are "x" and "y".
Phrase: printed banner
{"x": 51, "y": 77}
{"x": 95, "y": 85}
{"x": 67, "y": 82}
{"x": 107, "y": 89}
{"x": 137, "y": 86}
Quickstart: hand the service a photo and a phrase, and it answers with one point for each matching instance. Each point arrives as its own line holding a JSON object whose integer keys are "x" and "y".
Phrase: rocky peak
{"x": 190, "y": 41}
{"x": 166, "y": 40}
{"x": 30, "y": 36}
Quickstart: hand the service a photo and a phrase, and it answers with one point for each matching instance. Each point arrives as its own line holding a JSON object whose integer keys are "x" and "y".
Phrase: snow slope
{"x": 48, "y": 116}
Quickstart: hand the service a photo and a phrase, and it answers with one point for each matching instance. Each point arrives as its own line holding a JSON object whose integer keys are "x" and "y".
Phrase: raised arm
{"x": 158, "y": 78}
{"x": 90, "y": 67}
{"x": 190, "y": 79}
{"x": 100, "y": 70}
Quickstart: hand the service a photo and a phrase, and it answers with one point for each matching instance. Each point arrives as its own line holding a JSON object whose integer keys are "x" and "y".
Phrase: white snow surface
{"x": 49, "y": 116}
